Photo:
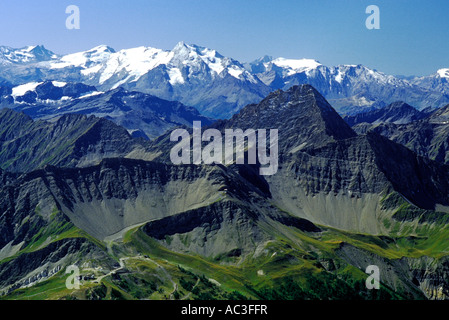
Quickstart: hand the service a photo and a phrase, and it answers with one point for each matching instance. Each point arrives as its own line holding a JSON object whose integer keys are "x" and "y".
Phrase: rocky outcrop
{"x": 331, "y": 182}
{"x": 72, "y": 140}
{"x": 398, "y": 112}
{"x": 29, "y": 268}
{"x": 427, "y": 137}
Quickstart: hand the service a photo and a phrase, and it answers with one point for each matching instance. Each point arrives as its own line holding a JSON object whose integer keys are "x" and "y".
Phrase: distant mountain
{"x": 142, "y": 114}
{"x": 25, "y": 55}
{"x": 428, "y": 137}
{"x": 319, "y": 149}
{"x": 220, "y": 86}
{"x": 397, "y": 112}
{"x": 72, "y": 140}
{"x": 436, "y": 82}
{"x": 350, "y": 89}
{"x": 151, "y": 229}
{"x": 45, "y": 92}
{"x": 216, "y": 85}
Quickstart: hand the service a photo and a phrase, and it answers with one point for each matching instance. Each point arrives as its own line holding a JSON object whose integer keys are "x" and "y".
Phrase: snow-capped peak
{"x": 28, "y": 54}
{"x": 296, "y": 65}
{"x": 104, "y": 66}
{"x": 136, "y": 62}
{"x": 196, "y": 57}
{"x": 24, "y": 88}
{"x": 84, "y": 59}
{"x": 59, "y": 84}
{"x": 443, "y": 73}
{"x": 102, "y": 48}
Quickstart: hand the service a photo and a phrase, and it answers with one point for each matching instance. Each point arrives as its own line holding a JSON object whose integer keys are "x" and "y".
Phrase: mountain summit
{"x": 398, "y": 112}
{"x": 216, "y": 85}
{"x": 25, "y": 55}
{"x": 72, "y": 191}
{"x": 301, "y": 114}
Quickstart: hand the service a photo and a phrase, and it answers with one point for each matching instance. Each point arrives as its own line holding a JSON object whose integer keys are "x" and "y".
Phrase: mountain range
{"x": 398, "y": 113}
{"x": 86, "y": 178}
{"x": 143, "y": 115}
{"x": 81, "y": 190}
{"x": 219, "y": 86}
{"x": 427, "y": 135}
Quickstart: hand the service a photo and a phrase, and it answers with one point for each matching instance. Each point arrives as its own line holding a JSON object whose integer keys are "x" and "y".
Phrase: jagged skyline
{"x": 412, "y": 39}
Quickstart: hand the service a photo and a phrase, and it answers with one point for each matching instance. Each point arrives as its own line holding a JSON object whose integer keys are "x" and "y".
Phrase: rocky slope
{"x": 145, "y": 229}
{"x": 427, "y": 137}
{"x": 142, "y": 114}
{"x": 398, "y": 113}
{"x": 350, "y": 89}
{"x": 325, "y": 168}
{"x": 72, "y": 140}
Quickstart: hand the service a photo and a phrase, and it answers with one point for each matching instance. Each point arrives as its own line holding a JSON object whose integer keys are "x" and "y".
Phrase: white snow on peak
{"x": 296, "y": 65}
{"x": 196, "y": 56}
{"x": 24, "y": 88}
{"x": 136, "y": 61}
{"x": 128, "y": 65}
{"x": 175, "y": 76}
{"x": 95, "y": 55}
{"x": 235, "y": 72}
{"x": 29, "y": 48}
{"x": 106, "y": 62}
{"x": 18, "y": 55}
{"x": 443, "y": 73}
{"x": 59, "y": 83}
{"x": 91, "y": 94}
{"x": 91, "y": 70}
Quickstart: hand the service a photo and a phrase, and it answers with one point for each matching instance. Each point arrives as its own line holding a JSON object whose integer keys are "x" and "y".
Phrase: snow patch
{"x": 175, "y": 76}
{"x": 24, "y": 88}
{"x": 213, "y": 62}
{"x": 236, "y": 73}
{"x": 59, "y": 84}
{"x": 90, "y": 70}
{"x": 443, "y": 73}
{"x": 296, "y": 65}
{"x": 136, "y": 62}
{"x": 91, "y": 94}
{"x": 339, "y": 77}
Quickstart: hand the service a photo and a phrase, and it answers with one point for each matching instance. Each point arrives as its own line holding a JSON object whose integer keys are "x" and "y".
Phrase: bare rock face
{"x": 141, "y": 114}
{"x": 339, "y": 200}
{"x": 72, "y": 140}
{"x": 398, "y": 113}
{"x": 427, "y": 137}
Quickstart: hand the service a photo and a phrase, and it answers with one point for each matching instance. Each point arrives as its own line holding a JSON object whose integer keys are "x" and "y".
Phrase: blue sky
{"x": 413, "y": 39}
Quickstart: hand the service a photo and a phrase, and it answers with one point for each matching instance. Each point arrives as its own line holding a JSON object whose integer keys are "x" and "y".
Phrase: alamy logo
{"x": 73, "y": 280}
{"x": 373, "y": 281}
{"x": 72, "y": 21}
{"x": 256, "y": 147}
{"x": 373, "y": 20}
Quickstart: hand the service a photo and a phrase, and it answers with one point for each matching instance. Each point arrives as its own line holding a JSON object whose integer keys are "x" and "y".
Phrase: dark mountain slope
{"x": 339, "y": 202}
{"x": 142, "y": 114}
{"x": 327, "y": 173}
{"x": 427, "y": 137}
{"x": 71, "y": 140}
{"x": 397, "y": 112}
